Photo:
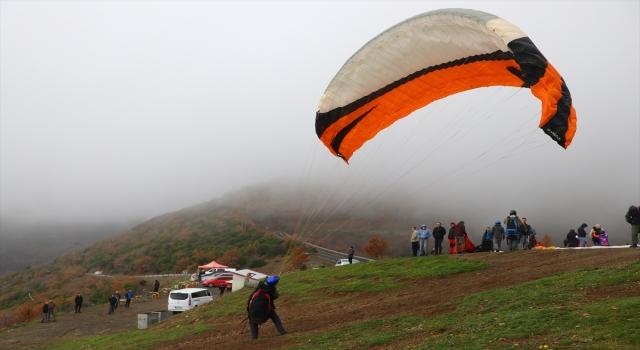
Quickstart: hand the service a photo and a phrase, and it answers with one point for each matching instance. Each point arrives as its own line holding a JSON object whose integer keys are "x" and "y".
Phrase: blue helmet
{"x": 497, "y": 222}
{"x": 272, "y": 280}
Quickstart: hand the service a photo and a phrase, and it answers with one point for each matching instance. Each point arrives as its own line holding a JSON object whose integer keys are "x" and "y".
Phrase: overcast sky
{"x": 115, "y": 110}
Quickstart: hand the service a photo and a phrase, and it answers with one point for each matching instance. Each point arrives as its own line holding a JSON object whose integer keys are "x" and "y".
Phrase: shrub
{"x": 376, "y": 247}
{"x": 257, "y": 263}
{"x": 99, "y": 296}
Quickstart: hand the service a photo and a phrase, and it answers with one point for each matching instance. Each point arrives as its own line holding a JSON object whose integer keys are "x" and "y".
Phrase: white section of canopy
{"x": 420, "y": 42}
{"x": 507, "y": 31}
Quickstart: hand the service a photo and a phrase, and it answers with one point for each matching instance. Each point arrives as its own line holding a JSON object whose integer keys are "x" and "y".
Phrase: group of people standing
{"x": 516, "y": 232}
{"x": 49, "y": 307}
{"x": 114, "y": 301}
{"x": 598, "y": 236}
{"x": 48, "y": 310}
{"x": 421, "y": 239}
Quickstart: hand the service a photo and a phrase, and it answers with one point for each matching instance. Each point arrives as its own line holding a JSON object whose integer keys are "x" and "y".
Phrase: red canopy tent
{"x": 213, "y": 265}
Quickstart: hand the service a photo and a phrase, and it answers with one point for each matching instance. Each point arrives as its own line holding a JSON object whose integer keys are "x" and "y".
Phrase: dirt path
{"x": 91, "y": 321}
{"x": 422, "y": 297}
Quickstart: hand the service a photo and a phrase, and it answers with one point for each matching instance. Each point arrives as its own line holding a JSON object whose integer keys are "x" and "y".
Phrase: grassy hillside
{"x": 169, "y": 243}
{"x": 176, "y": 241}
{"x": 534, "y": 299}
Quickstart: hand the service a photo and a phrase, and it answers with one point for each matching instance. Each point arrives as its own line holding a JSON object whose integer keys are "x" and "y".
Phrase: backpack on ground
{"x": 511, "y": 226}
{"x": 604, "y": 239}
{"x": 259, "y": 306}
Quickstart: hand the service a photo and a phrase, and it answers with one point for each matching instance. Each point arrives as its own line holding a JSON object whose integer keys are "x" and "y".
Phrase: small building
{"x": 238, "y": 278}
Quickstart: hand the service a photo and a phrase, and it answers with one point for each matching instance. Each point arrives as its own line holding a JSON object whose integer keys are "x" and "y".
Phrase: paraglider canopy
{"x": 430, "y": 57}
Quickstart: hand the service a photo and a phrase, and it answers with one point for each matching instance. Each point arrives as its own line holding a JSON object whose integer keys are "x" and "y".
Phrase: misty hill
{"x": 29, "y": 244}
{"x": 237, "y": 224}
{"x": 328, "y": 215}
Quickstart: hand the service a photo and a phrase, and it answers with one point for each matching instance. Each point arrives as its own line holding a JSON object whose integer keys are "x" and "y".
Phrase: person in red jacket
{"x": 452, "y": 238}
{"x": 460, "y": 233}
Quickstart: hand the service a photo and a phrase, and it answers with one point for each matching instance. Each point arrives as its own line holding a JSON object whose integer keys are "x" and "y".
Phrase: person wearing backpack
{"x": 633, "y": 218}
{"x": 497, "y": 231}
{"x": 603, "y": 237}
{"x": 512, "y": 222}
{"x": 260, "y": 306}
{"x": 524, "y": 230}
{"x": 438, "y": 235}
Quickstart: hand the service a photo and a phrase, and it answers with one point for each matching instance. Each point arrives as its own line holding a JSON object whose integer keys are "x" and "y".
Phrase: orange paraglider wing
{"x": 429, "y": 57}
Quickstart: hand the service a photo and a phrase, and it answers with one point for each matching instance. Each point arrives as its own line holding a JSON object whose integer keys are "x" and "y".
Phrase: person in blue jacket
{"x": 487, "y": 240}
{"x": 129, "y": 296}
{"x": 424, "y": 234}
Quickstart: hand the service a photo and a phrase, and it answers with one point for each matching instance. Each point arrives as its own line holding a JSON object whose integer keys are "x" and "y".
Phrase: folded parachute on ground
{"x": 427, "y": 58}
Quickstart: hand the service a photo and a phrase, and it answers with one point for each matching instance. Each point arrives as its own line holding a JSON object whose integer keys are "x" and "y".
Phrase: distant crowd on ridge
{"x": 516, "y": 233}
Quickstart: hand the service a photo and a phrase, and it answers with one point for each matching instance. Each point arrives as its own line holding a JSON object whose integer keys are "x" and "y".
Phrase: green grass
{"x": 374, "y": 276}
{"x": 131, "y": 340}
{"x": 297, "y": 287}
{"x": 554, "y": 311}
{"x": 313, "y": 285}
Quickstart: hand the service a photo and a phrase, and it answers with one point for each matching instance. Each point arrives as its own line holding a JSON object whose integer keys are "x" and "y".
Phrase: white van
{"x": 188, "y": 298}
